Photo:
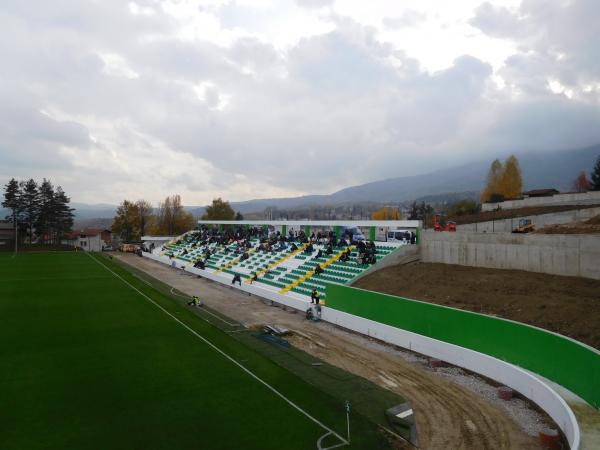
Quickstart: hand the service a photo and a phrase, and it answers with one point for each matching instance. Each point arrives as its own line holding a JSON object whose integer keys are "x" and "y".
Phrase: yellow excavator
{"x": 525, "y": 226}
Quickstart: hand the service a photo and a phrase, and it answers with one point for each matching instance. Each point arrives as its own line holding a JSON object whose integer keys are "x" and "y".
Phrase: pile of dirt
{"x": 499, "y": 214}
{"x": 566, "y": 305}
{"x": 590, "y": 226}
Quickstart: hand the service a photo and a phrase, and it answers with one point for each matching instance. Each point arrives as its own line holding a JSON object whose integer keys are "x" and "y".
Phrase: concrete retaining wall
{"x": 585, "y": 198}
{"x": 541, "y": 220}
{"x": 570, "y": 255}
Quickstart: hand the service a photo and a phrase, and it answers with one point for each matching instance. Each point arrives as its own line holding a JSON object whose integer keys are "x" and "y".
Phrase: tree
{"x": 581, "y": 183}
{"x": 511, "y": 181}
{"x": 46, "y": 210}
{"x": 238, "y": 216}
{"x": 12, "y": 201}
{"x": 63, "y": 214}
{"x": 463, "y": 208}
{"x": 387, "y": 213}
{"x": 125, "y": 223}
{"x": 172, "y": 219}
{"x": 422, "y": 211}
{"x": 219, "y": 210}
{"x": 144, "y": 211}
{"x": 31, "y": 204}
{"x": 595, "y": 176}
{"x": 493, "y": 181}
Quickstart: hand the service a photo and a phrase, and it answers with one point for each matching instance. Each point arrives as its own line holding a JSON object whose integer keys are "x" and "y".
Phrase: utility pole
{"x": 348, "y": 418}
{"x": 16, "y": 233}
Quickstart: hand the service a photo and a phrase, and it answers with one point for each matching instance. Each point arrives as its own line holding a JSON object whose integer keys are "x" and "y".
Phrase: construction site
{"x": 491, "y": 336}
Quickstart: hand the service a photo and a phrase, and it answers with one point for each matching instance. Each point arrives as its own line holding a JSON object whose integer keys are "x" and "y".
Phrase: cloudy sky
{"x": 260, "y": 98}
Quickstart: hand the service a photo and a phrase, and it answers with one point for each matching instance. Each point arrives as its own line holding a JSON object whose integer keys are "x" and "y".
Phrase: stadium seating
{"x": 287, "y": 272}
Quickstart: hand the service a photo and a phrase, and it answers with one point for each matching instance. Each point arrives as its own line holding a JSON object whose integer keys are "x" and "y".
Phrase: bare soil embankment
{"x": 566, "y": 305}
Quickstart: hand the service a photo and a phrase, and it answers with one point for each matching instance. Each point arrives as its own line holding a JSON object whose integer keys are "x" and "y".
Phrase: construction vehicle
{"x": 441, "y": 224}
{"x": 525, "y": 226}
{"x": 128, "y": 248}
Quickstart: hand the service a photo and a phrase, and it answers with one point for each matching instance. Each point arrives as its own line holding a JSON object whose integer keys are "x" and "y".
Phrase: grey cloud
{"x": 314, "y": 3}
{"x": 331, "y": 111}
{"x": 556, "y": 39}
{"x": 407, "y": 19}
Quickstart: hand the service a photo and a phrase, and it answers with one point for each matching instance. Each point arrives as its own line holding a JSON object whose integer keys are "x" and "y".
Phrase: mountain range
{"x": 555, "y": 169}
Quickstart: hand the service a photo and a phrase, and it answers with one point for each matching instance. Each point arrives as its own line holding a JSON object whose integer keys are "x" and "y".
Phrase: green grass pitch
{"x": 88, "y": 362}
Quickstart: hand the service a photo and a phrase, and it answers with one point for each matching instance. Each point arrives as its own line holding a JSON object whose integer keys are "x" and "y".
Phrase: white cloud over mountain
{"x": 247, "y": 99}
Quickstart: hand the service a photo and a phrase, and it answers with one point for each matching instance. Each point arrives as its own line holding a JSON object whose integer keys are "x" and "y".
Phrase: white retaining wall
{"x": 520, "y": 380}
{"x": 540, "y": 220}
{"x": 584, "y": 198}
{"x": 569, "y": 255}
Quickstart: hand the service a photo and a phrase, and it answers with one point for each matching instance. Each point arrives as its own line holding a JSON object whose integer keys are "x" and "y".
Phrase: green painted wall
{"x": 284, "y": 230}
{"x": 559, "y": 359}
{"x": 372, "y": 233}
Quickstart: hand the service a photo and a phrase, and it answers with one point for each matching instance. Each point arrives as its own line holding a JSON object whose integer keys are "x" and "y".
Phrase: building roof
{"x": 539, "y": 192}
{"x": 89, "y": 232}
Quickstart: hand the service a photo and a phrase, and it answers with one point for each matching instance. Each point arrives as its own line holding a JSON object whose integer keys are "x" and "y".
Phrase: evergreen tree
{"x": 30, "y": 201}
{"x": 238, "y": 216}
{"x": 63, "y": 214}
{"x": 13, "y": 201}
{"x": 595, "y": 176}
{"x": 46, "y": 221}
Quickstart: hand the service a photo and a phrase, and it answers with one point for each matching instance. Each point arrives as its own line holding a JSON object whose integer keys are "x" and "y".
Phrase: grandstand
{"x": 281, "y": 256}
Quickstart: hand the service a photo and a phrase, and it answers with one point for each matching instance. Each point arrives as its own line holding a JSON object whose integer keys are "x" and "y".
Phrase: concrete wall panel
{"x": 570, "y": 255}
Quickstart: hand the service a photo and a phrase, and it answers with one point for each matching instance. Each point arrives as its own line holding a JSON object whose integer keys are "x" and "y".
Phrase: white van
{"x": 399, "y": 236}
{"x": 354, "y": 232}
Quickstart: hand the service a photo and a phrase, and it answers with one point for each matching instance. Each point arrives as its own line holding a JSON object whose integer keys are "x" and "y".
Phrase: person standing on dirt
{"x": 236, "y": 279}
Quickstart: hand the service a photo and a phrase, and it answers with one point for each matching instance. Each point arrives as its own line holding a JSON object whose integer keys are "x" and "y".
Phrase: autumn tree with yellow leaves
{"x": 504, "y": 181}
{"x": 387, "y": 213}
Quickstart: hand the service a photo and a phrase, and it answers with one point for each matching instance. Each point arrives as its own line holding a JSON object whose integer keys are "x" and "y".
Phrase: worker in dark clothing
{"x": 254, "y": 278}
{"x": 195, "y": 301}
{"x": 236, "y": 279}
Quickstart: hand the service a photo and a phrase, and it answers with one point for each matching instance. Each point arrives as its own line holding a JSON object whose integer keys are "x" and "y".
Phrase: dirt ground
{"x": 590, "y": 226}
{"x": 485, "y": 216}
{"x": 566, "y": 305}
{"x": 448, "y": 415}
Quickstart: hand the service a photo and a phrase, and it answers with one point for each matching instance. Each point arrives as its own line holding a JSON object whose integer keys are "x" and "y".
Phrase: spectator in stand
{"x": 318, "y": 269}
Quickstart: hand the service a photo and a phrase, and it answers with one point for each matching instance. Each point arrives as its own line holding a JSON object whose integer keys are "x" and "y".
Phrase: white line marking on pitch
{"x": 217, "y": 349}
{"x": 206, "y": 311}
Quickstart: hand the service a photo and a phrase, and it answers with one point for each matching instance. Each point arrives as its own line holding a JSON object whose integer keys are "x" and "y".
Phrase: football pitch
{"x": 91, "y": 357}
